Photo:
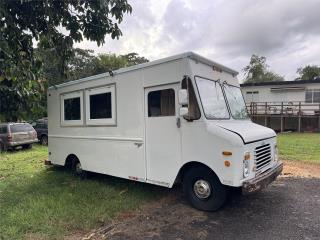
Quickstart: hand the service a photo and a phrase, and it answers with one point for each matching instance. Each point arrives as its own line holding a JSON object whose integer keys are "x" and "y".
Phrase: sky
{"x": 287, "y": 32}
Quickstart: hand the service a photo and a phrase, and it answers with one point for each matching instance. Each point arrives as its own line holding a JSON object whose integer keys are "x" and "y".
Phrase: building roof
{"x": 190, "y": 55}
{"x": 317, "y": 80}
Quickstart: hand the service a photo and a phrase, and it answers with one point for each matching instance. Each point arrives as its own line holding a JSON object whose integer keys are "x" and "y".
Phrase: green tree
{"x": 56, "y": 25}
{"x": 80, "y": 64}
{"x": 83, "y": 63}
{"x": 308, "y": 72}
{"x": 134, "y": 59}
{"x": 258, "y": 71}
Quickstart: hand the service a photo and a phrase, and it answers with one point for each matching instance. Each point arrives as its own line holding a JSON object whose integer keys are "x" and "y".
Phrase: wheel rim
{"x": 202, "y": 189}
{"x": 78, "y": 168}
{"x": 44, "y": 141}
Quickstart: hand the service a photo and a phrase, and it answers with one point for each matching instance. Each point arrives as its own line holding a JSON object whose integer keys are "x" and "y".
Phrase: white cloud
{"x": 286, "y": 32}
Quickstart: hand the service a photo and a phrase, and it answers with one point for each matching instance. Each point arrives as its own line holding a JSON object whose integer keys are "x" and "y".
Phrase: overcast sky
{"x": 287, "y": 32}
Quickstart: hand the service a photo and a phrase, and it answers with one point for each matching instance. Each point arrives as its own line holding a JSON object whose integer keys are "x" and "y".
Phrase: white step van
{"x": 182, "y": 118}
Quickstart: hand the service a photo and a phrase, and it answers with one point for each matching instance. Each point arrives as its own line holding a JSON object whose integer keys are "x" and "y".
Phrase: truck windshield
{"x": 212, "y": 99}
{"x": 236, "y": 101}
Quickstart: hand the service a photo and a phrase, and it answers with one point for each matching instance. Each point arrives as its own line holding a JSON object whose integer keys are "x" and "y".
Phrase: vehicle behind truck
{"x": 178, "y": 119}
{"x": 13, "y": 135}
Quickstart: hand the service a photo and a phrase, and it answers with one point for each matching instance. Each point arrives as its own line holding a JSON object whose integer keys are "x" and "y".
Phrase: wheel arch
{"x": 43, "y": 134}
{"x": 69, "y": 159}
{"x": 189, "y": 165}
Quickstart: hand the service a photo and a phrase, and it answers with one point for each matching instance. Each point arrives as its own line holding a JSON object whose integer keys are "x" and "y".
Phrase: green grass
{"x": 300, "y": 147}
{"x": 49, "y": 202}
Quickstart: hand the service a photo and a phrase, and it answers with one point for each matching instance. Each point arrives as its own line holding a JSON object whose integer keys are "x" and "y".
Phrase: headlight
{"x": 276, "y": 157}
{"x": 246, "y": 164}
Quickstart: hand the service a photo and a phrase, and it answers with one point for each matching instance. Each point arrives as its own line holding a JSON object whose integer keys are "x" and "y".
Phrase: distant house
{"x": 306, "y": 91}
{"x": 286, "y": 105}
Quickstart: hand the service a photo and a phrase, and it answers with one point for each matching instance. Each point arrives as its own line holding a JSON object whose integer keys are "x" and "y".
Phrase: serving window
{"x": 100, "y": 106}
{"x": 71, "y": 108}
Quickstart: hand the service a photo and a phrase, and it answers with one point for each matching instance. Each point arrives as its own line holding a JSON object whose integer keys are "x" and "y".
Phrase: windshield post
{"x": 236, "y": 103}
{"x": 212, "y": 98}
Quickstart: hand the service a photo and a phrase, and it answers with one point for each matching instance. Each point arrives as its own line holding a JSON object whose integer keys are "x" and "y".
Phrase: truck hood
{"x": 247, "y": 130}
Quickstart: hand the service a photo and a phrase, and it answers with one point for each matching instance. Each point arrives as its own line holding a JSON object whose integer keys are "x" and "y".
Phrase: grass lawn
{"x": 38, "y": 202}
{"x": 300, "y": 146}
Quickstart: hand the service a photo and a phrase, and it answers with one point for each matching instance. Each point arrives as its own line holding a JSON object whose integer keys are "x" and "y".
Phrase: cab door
{"x": 163, "y": 136}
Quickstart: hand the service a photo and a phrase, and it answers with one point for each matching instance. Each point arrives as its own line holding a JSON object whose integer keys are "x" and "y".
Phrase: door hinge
{"x": 178, "y": 122}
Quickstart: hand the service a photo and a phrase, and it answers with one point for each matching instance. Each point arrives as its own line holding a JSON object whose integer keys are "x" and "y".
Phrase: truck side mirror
{"x": 183, "y": 111}
{"x": 183, "y": 97}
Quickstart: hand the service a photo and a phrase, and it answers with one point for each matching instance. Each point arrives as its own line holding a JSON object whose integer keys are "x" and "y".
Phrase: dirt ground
{"x": 288, "y": 209}
{"x": 299, "y": 169}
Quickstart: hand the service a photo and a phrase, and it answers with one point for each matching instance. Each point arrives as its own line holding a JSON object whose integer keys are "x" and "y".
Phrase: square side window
{"x": 71, "y": 109}
{"x": 100, "y": 106}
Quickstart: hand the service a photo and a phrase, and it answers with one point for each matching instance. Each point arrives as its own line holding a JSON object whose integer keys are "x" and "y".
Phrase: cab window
{"x": 161, "y": 103}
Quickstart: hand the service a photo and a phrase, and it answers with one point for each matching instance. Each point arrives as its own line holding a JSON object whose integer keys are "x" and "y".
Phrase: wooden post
{"x": 281, "y": 118}
{"x": 266, "y": 108}
{"x": 265, "y": 121}
{"x": 319, "y": 119}
{"x": 265, "y": 114}
{"x": 299, "y": 118}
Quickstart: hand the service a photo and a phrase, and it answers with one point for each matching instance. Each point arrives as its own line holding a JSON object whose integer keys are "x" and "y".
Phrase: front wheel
{"x": 44, "y": 140}
{"x": 203, "y": 189}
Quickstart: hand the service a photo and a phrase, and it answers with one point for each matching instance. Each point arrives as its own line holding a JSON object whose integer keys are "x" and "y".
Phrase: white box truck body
{"x": 178, "y": 118}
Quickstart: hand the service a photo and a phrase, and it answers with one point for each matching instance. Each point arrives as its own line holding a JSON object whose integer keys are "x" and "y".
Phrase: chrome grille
{"x": 262, "y": 156}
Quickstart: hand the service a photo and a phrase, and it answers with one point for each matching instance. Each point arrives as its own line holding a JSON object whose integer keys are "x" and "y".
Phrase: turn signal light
{"x": 226, "y": 153}
{"x": 227, "y": 163}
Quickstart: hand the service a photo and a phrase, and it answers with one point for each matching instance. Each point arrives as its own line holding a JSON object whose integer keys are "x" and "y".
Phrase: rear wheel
{"x": 203, "y": 189}
{"x": 77, "y": 168}
{"x": 2, "y": 148}
{"x": 27, "y": 146}
{"x": 44, "y": 140}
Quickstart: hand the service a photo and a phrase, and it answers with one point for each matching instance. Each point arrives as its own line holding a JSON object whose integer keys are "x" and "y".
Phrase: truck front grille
{"x": 262, "y": 156}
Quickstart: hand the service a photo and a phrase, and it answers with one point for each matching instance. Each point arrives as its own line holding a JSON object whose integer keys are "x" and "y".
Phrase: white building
{"x": 286, "y": 105}
{"x": 305, "y": 91}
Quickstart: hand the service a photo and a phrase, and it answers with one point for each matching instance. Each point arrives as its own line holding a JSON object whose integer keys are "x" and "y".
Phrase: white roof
{"x": 190, "y": 55}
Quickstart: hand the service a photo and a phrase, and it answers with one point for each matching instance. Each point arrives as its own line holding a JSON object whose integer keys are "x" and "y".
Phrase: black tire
{"x": 206, "y": 200}
{"x": 27, "y": 146}
{"x": 44, "y": 140}
{"x": 77, "y": 168}
{"x": 2, "y": 148}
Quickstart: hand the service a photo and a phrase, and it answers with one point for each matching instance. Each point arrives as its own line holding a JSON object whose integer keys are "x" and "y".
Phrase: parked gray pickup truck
{"x": 13, "y": 135}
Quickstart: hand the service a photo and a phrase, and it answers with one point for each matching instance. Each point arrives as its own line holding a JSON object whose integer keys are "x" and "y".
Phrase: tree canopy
{"x": 56, "y": 26}
{"x": 82, "y": 63}
{"x": 309, "y": 72}
{"x": 258, "y": 71}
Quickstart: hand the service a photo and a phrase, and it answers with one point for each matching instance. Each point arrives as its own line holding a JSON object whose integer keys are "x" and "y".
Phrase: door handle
{"x": 138, "y": 144}
{"x": 178, "y": 122}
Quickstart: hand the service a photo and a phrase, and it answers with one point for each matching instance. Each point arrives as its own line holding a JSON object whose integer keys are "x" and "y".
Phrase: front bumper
{"x": 262, "y": 181}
